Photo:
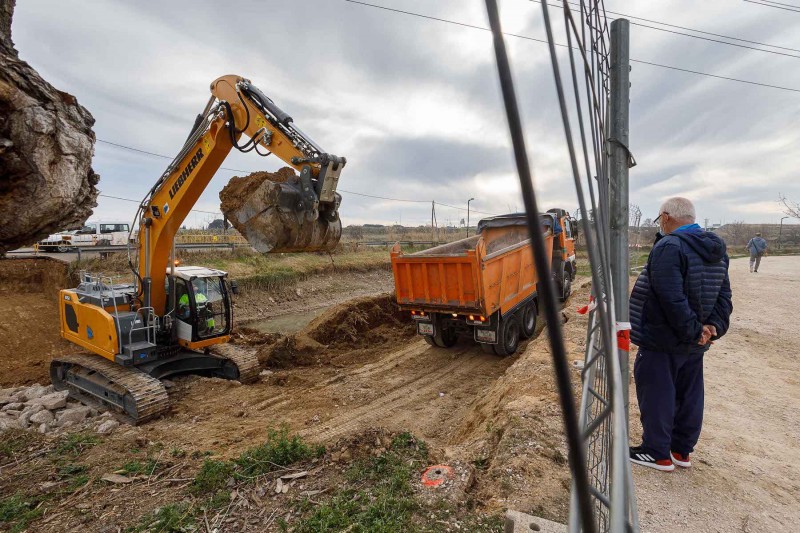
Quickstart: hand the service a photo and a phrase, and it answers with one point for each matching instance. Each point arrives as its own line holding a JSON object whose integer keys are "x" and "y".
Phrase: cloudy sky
{"x": 414, "y": 104}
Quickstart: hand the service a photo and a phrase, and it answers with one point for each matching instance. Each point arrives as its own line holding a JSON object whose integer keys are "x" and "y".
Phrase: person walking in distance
{"x": 680, "y": 303}
{"x": 757, "y": 246}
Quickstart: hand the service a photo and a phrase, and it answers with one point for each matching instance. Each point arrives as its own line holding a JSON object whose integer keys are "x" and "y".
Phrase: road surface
{"x": 746, "y": 473}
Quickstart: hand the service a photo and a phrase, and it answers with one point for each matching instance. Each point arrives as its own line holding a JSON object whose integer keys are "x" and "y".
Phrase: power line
{"x": 131, "y": 148}
{"x": 682, "y": 28}
{"x": 775, "y": 6}
{"x": 138, "y": 202}
{"x": 715, "y": 40}
{"x": 738, "y": 80}
{"x": 158, "y": 155}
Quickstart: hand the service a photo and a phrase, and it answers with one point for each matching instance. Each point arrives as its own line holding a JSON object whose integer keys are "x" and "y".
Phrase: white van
{"x": 99, "y": 233}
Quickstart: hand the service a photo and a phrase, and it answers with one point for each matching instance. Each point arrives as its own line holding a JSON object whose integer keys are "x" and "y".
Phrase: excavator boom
{"x": 236, "y": 109}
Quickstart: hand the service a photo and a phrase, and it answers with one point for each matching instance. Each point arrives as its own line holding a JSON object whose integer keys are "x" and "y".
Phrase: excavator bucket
{"x": 268, "y": 210}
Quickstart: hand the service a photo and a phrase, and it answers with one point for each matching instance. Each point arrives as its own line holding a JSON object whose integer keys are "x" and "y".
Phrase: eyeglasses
{"x": 659, "y": 216}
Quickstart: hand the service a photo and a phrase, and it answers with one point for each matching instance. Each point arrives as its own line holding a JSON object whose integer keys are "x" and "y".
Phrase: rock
{"x": 42, "y": 417}
{"x": 29, "y": 411}
{"x": 6, "y": 422}
{"x": 44, "y": 428}
{"x": 141, "y": 442}
{"x": 107, "y": 427}
{"x": 52, "y": 401}
{"x": 167, "y": 383}
{"x": 15, "y": 406}
{"x": 116, "y": 478}
{"x": 46, "y": 147}
{"x": 31, "y": 393}
{"x": 251, "y": 205}
{"x": 76, "y": 415}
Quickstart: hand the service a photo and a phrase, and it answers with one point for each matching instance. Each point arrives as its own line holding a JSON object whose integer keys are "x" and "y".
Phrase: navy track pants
{"x": 669, "y": 388}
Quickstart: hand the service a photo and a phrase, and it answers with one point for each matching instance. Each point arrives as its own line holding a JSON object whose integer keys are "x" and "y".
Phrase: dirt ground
{"x": 358, "y": 369}
{"x": 746, "y": 473}
{"x": 368, "y": 372}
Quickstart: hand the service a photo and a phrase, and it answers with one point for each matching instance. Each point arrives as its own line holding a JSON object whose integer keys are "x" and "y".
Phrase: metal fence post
{"x": 619, "y": 161}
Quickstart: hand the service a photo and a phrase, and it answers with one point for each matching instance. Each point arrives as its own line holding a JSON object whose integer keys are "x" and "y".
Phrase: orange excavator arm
{"x": 236, "y": 109}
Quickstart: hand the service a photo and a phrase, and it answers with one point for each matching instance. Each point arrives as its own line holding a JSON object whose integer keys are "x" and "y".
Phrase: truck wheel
{"x": 528, "y": 323}
{"x": 509, "y": 336}
{"x": 566, "y": 286}
{"x": 429, "y": 340}
{"x": 445, "y": 337}
{"x": 62, "y": 248}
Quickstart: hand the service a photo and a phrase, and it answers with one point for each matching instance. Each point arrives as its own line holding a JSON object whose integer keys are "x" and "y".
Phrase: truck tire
{"x": 63, "y": 247}
{"x": 565, "y": 285}
{"x": 445, "y": 337}
{"x": 429, "y": 340}
{"x": 529, "y": 316}
{"x": 508, "y": 340}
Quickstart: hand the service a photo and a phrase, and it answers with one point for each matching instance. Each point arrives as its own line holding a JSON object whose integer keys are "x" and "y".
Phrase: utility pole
{"x": 780, "y": 233}
{"x": 620, "y": 160}
{"x": 468, "y": 201}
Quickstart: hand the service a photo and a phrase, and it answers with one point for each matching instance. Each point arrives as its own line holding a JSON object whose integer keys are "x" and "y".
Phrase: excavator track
{"x": 245, "y": 360}
{"x": 133, "y": 395}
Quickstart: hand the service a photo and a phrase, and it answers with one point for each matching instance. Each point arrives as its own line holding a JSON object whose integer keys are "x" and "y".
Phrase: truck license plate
{"x": 485, "y": 335}
{"x": 425, "y": 328}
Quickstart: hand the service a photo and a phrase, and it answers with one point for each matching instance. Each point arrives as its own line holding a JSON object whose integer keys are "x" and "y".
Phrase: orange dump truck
{"x": 485, "y": 286}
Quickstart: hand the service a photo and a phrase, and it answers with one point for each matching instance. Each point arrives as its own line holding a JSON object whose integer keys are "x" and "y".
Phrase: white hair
{"x": 679, "y": 208}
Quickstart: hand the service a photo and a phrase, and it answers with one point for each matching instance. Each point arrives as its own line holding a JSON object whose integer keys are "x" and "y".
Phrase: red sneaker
{"x": 681, "y": 460}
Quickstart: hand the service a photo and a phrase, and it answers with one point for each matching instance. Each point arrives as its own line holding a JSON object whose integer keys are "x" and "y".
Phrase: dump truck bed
{"x": 478, "y": 275}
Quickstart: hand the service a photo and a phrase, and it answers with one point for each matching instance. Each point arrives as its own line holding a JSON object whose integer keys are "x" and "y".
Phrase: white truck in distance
{"x": 100, "y": 233}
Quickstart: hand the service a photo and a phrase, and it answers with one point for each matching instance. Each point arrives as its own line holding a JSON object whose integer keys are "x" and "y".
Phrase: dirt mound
{"x": 253, "y": 205}
{"x": 46, "y": 148}
{"x": 43, "y": 275}
{"x": 343, "y": 334}
{"x": 29, "y": 300}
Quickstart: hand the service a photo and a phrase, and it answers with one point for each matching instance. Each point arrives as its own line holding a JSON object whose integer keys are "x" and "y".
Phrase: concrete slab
{"x": 517, "y": 522}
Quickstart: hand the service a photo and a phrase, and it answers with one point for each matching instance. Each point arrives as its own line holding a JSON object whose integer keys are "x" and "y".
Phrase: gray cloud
{"x": 414, "y": 104}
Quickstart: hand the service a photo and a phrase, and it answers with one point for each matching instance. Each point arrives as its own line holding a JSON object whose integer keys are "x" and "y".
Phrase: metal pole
{"x": 780, "y": 233}
{"x": 619, "y": 162}
{"x": 468, "y": 201}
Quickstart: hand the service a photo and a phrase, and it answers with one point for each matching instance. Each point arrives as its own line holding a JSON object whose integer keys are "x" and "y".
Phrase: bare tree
{"x": 736, "y": 230}
{"x": 789, "y": 207}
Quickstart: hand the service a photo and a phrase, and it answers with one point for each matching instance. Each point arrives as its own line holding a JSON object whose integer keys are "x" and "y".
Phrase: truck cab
{"x": 564, "y": 263}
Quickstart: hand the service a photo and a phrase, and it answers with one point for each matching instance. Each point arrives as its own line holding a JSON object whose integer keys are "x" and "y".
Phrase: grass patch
{"x": 212, "y": 477}
{"x": 15, "y": 441}
{"x": 139, "y": 467}
{"x": 75, "y": 443}
{"x": 173, "y": 518}
{"x": 251, "y": 269}
{"x": 18, "y": 511}
{"x": 280, "y": 450}
{"x": 386, "y": 505}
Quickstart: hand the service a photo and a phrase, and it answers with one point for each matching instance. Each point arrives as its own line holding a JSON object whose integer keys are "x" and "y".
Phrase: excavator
{"x": 173, "y": 319}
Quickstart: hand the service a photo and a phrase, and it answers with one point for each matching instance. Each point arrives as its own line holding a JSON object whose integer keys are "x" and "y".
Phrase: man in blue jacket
{"x": 680, "y": 303}
{"x": 757, "y": 247}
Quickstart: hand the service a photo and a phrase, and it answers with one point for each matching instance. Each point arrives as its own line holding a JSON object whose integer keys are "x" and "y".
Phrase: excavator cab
{"x": 202, "y": 306}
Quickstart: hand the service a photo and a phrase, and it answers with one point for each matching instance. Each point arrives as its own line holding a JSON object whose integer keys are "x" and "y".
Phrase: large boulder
{"x": 46, "y": 148}
{"x": 252, "y": 204}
